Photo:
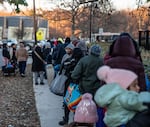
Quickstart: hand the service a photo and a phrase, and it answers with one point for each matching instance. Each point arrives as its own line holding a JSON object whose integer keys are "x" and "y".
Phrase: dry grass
{"x": 17, "y": 101}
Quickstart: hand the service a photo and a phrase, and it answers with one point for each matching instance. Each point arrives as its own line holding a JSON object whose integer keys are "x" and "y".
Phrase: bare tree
{"x": 82, "y": 12}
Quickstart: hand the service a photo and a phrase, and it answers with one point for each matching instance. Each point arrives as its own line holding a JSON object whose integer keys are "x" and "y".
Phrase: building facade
{"x": 22, "y": 28}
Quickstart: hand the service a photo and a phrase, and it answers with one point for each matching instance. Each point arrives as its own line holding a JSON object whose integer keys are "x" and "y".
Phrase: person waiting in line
{"x": 47, "y": 56}
{"x": 13, "y": 55}
{"x": 58, "y": 53}
{"x": 69, "y": 50}
{"x": 121, "y": 98}
{"x": 68, "y": 66}
{"x": 22, "y": 56}
{"x": 38, "y": 65}
{"x": 125, "y": 55}
{"x": 6, "y": 55}
{"x": 85, "y": 71}
{"x": 82, "y": 45}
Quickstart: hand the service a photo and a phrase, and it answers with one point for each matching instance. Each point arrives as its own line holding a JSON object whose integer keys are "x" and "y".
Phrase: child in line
{"x": 124, "y": 105}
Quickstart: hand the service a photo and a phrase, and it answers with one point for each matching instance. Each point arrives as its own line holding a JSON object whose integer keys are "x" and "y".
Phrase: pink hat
{"x": 121, "y": 76}
{"x": 86, "y": 111}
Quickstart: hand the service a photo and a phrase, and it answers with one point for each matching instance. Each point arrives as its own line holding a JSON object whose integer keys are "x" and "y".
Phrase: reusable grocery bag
{"x": 50, "y": 73}
{"x": 72, "y": 96}
{"x": 57, "y": 86}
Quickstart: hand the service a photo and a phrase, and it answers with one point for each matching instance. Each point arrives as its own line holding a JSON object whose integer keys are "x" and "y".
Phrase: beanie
{"x": 112, "y": 75}
{"x": 95, "y": 50}
{"x": 82, "y": 45}
{"x": 71, "y": 46}
{"x": 86, "y": 111}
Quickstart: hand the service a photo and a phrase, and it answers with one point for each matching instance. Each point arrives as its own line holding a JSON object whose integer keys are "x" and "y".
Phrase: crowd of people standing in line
{"x": 123, "y": 55}
{"x": 116, "y": 83}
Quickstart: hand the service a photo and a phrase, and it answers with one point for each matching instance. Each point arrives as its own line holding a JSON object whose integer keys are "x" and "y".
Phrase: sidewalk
{"x": 49, "y": 106}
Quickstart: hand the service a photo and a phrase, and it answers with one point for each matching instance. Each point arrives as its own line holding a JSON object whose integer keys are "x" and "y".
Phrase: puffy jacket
{"x": 121, "y": 105}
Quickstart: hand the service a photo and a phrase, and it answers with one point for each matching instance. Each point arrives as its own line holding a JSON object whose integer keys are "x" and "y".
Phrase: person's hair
{"x": 4, "y": 45}
{"x": 77, "y": 53}
{"x": 67, "y": 40}
{"x": 21, "y": 42}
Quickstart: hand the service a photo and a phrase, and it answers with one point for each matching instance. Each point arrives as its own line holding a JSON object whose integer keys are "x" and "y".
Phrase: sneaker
{"x": 42, "y": 83}
{"x": 22, "y": 75}
{"x": 63, "y": 122}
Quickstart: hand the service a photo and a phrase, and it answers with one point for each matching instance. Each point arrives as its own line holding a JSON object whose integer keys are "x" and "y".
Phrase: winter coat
{"x": 123, "y": 55}
{"x": 46, "y": 52}
{"x": 5, "y": 53}
{"x": 58, "y": 53}
{"x": 37, "y": 64}
{"x": 69, "y": 64}
{"x": 121, "y": 105}
{"x": 21, "y": 54}
{"x": 85, "y": 73}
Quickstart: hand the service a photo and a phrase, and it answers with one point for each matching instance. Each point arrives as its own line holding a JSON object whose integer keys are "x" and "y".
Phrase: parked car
{"x": 10, "y": 42}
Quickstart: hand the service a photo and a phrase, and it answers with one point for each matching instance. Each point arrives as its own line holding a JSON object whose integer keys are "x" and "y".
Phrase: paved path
{"x": 49, "y": 106}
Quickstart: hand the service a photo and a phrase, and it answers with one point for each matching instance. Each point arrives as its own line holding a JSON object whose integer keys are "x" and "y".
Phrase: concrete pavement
{"x": 49, "y": 106}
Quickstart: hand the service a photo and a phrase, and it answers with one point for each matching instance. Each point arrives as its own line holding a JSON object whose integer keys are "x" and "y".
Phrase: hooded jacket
{"x": 85, "y": 73}
{"x": 123, "y": 55}
{"x": 121, "y": 105}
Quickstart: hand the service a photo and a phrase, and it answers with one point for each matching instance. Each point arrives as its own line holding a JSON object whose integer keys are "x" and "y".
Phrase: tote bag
{"x": 72, "y": 96}
{"x": 50, "y": 73}
{"x": 57, "y": 86}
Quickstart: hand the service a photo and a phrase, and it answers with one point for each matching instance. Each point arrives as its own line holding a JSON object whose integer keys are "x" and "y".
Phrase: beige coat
{"x": 21, "y": 54}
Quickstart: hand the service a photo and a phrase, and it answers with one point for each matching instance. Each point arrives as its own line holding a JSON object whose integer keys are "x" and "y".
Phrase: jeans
{"x": 22, "y": 67}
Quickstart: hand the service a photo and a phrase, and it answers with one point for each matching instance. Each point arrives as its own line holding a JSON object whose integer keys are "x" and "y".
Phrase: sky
{"x": 118, "y": 4}
{"x": 124, "y": 4}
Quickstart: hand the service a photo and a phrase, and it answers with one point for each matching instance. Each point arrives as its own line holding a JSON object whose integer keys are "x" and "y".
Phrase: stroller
{"x": 8, "y": 69}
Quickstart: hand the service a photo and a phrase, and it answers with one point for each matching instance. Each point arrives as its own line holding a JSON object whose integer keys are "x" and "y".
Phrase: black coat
{"x": 37, "y": 64}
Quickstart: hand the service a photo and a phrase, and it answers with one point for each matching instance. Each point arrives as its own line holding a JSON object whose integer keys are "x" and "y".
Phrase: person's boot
{"x": 63, "y": 122}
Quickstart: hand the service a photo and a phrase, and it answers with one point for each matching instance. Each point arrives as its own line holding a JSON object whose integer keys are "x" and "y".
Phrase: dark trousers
{"x": 100, "y": 122}
{"x": 22, "y": 67}
{"x": 141, "y": 119}
{"x": 66, "y": 110}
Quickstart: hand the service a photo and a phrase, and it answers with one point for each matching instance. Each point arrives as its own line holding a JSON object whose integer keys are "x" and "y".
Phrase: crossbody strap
{"x": 39, "y": 57}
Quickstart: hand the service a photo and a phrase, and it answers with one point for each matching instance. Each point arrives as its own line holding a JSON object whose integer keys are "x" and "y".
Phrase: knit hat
{"x": 95, "y": 50}
{"x": 82, "y": 45}
{"x": 86, "y": 111}
{"x": 71, "y": 46}
{"x": 121, "y": 76}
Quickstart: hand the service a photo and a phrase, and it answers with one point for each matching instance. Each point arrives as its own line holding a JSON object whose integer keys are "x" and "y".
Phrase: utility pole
{"x": 34, "y": 22}
{"x": 91, "y": 14}
{"x": 73, "y": 18}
